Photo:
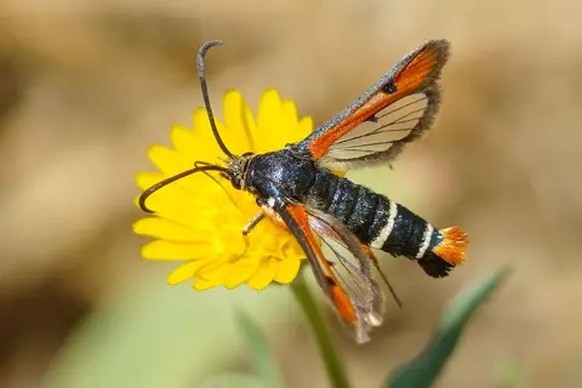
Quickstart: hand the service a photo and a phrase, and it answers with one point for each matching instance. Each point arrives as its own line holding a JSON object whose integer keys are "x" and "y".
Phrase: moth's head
{"x": 237, "y": 169}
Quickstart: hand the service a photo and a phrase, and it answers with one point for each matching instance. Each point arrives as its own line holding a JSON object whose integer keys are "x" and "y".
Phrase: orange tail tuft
{"x": 452, "y": 248}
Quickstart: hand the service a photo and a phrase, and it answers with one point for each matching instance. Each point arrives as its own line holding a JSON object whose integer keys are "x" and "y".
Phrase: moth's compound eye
{"x": 236, "y": 183}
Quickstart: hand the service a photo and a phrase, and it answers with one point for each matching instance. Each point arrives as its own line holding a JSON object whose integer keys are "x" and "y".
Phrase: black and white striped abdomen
{"x": 377, "y": 221}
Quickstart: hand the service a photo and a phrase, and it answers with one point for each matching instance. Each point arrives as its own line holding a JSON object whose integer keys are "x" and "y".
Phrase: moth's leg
{"x": 253, "y": 222}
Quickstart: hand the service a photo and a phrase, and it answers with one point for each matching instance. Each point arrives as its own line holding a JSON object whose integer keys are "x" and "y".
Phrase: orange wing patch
{"x": 416, "y": 71}
{"x": 419, "y": 69}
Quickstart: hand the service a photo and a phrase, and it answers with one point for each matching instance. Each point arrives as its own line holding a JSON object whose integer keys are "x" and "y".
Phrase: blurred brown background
{"x": 86, "y": 87}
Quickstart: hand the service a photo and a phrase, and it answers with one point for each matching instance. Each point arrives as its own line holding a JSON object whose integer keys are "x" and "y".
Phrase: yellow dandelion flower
{"x": 199, "y": 222}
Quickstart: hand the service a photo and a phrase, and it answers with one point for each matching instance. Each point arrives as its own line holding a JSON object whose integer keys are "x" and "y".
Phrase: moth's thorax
{"x": 280, "y": 174}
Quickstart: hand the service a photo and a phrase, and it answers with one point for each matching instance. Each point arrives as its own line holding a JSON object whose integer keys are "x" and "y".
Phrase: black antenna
{"x": 144, "y": 196}
{"x": 202, "y": 76}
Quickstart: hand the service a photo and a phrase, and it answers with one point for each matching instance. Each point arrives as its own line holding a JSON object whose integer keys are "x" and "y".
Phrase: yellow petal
{"x": 148, "y": 179}
{"x": 305, "y": 127}
{"x": 289, "y": 117}
{"x": 169, "y": 162}
{"x": 173, "y": 203}
{"x": 264, "y": 275}
{"x": 170, "y": 230}
{"x": 268, "y": 121}
{"x": 287, "y": 271}
{"x": 185, "y": 272}
{"x": 184, "y": 140}
{"x": 287, "y": 126}
{"x": 201, "y": 124}
{"x": 170, "y": 250}
{"x": 291, "y": 248}
{"x": 190, "y": 199}
{"x": 240, "y": 271}
{"x": 207, "y": 149}
{"x": 235, "y": 110}
{"x": 201, "y": 284}
{"x": 253, "y": 132}
{"x": 212, "y": 273}
{"x": 236, "y": 139}
{"x": 269, "y": 109}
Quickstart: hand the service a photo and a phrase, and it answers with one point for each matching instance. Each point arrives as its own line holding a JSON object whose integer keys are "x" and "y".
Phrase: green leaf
{"x": 423, "y": 370}
{"x": 261, "y": 358}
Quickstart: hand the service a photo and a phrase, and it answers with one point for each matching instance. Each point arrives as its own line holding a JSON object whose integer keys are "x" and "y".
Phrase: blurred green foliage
{"x": 426, "y": 367}
{"x": 261, "y": 359}
{"x": 152, "y": 335}
{"x": 233, "y": 381}
{"x": 510, "y": 374}
{"x": 331, "y": 359}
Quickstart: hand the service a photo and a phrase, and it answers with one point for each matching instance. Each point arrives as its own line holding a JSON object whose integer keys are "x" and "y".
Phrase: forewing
{"x": 398, "y": 109}
{"x": 343, "y": 274}
{"x": 351, "y": 263}
{"x": 382, "y": 137}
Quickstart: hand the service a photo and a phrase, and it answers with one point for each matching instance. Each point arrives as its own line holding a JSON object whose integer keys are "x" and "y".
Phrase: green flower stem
{"x": 333, "y": 364}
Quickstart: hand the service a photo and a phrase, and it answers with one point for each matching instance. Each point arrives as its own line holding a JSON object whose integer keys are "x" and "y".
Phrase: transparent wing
{"x": 350, "y": 264}
{"x": 383, "y": 135}
{"x": 393, "y": 112}
{"x": 343, "y": 271}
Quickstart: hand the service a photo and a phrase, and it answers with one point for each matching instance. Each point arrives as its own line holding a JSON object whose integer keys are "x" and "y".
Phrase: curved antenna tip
{"x": 204, "y": 89}
{"x": 202, "y": 52}
{"x": 210, "y": 43}
{"x": 142, "y": 205}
